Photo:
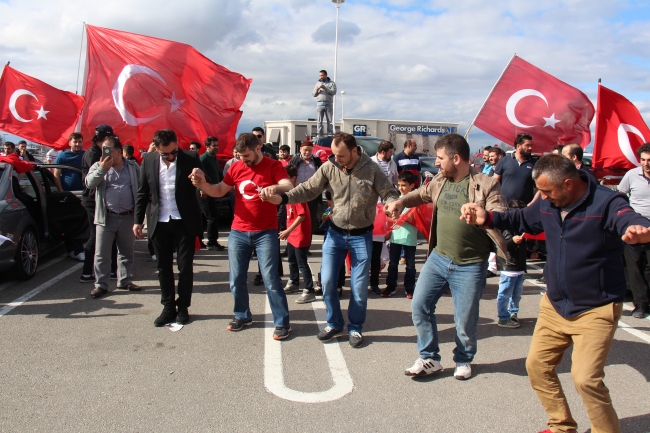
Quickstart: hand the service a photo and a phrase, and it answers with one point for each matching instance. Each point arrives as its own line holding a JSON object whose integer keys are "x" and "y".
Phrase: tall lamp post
{"x": 336, "y": 49}
{"x": 342, "y": 101}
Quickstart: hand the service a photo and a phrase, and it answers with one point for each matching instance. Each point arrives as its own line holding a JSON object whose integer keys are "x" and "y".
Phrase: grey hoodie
{"x": 354, "y": 193}
{"x": 324, "y": 96}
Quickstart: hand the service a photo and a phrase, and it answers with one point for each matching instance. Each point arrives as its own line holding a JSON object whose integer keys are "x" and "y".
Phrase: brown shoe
{"x": 97, "y": 292}
{"x": 131, "y": 287}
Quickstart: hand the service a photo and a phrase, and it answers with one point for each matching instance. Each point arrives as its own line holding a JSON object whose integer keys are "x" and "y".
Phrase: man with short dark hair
{"x": 115, "y": 181}
{"x": 558, "y": 149}
{"x": 408, "y": 160}
{"x": 253, "y": 229}
{"x": 195, "y": 146}
{"x": 587, "y": 227}
{"x": 636, "y": 184}
{"x": 384, "y": 159}
{"x": 514, "y": 172}
{"x": 487, "y": 166}
{"x": 10, "y": 148}
{"x": 356, "y": 184}
{"x": 173, "y": 220}
{"x": 458, "y": 254}
{"x": 495, "y": 156}
{"x": 23, "y": 152}
{"x": 324, "y": 92}
{"x": 284, "y": 154}
{"x": 574, "y": 152}
{"x": 70, "y": 180}
{"x": 209, "y": 204}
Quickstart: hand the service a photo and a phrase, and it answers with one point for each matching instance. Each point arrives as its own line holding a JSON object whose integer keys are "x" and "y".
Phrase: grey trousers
{"x": 120, "y": 229}
{"x": 324, "y": 111}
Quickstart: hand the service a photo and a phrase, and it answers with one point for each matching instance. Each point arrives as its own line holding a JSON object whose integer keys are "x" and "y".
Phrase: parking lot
{"x": 74, "y": 363}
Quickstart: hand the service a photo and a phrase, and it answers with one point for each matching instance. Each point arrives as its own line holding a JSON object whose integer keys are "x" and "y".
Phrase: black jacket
{"x": 188, "y": 204}
{"x": 584, "y": 266}
{"x": 516, "y": 254}
{"x": 297, "y": 160}
{"x": 91, "y": 156}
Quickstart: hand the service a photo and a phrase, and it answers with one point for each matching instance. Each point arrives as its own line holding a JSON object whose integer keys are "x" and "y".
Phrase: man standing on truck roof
{"x": 324, "y": 92}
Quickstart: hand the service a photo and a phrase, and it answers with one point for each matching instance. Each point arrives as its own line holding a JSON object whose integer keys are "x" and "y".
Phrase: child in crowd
{"x": 404, "y": 237}
{"x": 325, "y": 224}
{"x": 511, "y": 282}
{"x": 377, "y": 246}
{"x": 298, "y": 237}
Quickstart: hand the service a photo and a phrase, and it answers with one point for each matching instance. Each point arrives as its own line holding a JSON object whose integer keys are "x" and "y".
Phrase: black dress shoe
{"x": 168, "y": 315}
{"x": 216, "y": 246}
{"x": 183, "y": 316}
{"x": 639, "y": 310}
{"x": 258, "y": 280}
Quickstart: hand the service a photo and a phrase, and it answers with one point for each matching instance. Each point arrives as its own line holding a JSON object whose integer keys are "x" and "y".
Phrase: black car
{"x": 35, "y": 217}
{"x": 368, "y": 144}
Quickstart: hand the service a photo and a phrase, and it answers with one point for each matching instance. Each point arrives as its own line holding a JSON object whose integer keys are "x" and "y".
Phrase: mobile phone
{"x": 106, "y": 151}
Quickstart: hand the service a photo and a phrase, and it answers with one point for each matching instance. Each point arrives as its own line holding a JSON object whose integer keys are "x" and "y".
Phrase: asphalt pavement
{"x": 73, "y": 363}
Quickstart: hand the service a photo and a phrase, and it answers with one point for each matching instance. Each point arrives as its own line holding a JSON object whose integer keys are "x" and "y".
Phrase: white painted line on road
{"x": 274, "y": 372}
{"x": 45, "y": 266}
{"x": 27, "y": 296}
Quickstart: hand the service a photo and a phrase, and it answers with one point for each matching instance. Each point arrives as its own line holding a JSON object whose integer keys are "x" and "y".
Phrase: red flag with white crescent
{"x": 620, "y": 131}
{"x": 529, "y": 100}
{"x": 420, "y": 217}
{"x": 37, "y": 111}
{"x": 139, "y": 84}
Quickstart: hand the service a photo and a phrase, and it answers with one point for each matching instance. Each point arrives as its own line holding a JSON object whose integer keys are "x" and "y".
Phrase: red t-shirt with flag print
{"x": 251, "y": 213}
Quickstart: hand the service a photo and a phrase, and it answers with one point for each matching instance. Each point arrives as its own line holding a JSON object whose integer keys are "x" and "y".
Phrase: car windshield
{"x": 428, "y": 163}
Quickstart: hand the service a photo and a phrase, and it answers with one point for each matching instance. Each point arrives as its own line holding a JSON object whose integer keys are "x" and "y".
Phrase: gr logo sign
{"x": 359, "y": 130}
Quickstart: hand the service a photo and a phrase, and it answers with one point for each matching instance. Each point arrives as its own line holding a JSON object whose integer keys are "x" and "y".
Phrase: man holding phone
{"x": 324, "y": 92}
{"x": 115, "y": 181}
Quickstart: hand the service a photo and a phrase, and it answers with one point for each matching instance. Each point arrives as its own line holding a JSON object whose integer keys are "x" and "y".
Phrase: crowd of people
{"x": 479, "y": 217}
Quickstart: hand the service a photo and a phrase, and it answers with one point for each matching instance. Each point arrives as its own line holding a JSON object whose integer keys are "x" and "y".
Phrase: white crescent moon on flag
{"x": 12, "y": 103}
{"x": 624, "y": 141}
{"x": 118, "y": 92}
{"x": 512, "y": 104}
{"x": 241, "y": 189}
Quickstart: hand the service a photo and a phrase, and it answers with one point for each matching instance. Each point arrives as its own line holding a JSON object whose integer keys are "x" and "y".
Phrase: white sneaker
{"x": 154, "y": 258}
{"x": 81, "y": 256}
{"x": 290, "y": 287}
{"x": 463, "y": 370}
{"x": 423, "y": 367}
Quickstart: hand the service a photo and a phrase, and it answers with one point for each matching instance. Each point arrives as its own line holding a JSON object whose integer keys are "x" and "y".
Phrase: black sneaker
{"x": 168, "y": 315}
{"x": 216, "y": 246}
{"x": 183, "y": 316}
{"x": 281, "y": 332}
{"x": 86, "y": 278}
{"x": 328, "y": 333}
{"x": 237, "y": 325}
{"x": 639, "y": 310}
{"x": 356, "y": 339}
{"x": 388, "y": 291}
{"x": 258, "y": 281}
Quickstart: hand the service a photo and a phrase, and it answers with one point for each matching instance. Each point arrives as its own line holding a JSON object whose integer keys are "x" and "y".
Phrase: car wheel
{"x": 26, "y": 255}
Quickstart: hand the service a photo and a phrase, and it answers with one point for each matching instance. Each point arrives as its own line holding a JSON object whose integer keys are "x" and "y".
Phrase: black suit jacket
{"x": 186, "y": 200}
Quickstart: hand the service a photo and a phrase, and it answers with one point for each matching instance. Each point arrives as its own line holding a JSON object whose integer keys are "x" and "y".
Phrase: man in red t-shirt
{"x": 298, "y": 236}
{"x": 255, "y": 227}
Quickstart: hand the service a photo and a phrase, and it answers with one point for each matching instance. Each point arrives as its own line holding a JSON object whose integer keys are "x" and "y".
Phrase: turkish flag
{"x": 620, "y": 130}
{"x": 139, "y": 84}
{"x": 37, "y": 111}
{"x": 420, "y": 217}
{"x": 528, "y": 100}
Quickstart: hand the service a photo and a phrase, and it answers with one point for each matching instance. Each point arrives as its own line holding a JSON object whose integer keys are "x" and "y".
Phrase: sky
{"x": 397, "y": 59}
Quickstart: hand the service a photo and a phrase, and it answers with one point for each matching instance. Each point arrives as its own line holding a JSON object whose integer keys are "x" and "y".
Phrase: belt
{"x": 128, "y": 212}
{"x": 352, "y": 232}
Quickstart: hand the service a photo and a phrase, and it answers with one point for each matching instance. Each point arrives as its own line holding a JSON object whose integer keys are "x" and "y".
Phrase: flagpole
{"x": 489, "y": 94}
{"x": 595, "y": 152}
{"x": 81, "y": 43}
{"x": 83, "y": 85}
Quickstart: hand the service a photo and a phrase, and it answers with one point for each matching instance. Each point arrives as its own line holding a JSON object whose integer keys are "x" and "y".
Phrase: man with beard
{"x": 458, "y": 254}
{"x": 515, "y": 172}
{"x": 253, "y": 229}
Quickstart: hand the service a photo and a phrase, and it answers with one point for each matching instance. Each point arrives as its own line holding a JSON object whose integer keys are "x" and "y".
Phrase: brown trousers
{"x": 591, "y": 334}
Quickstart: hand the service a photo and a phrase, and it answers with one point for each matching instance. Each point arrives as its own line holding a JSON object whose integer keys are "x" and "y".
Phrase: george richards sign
{"x": 421, "y": 129}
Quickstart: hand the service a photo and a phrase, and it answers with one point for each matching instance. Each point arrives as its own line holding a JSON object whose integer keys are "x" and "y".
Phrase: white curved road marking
{"x": 274, "y": 373}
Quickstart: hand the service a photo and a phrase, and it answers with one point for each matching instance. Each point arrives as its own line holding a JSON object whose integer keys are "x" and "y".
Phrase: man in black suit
{"x": 174, "y": 219}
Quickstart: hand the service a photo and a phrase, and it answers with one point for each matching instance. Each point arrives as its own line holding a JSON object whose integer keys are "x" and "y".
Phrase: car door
{"x": 66, "y": 217}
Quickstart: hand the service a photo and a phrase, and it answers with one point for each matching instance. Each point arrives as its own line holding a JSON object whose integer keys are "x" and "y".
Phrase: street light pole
{"x": 336, "y": 49}
{"x": 342, "y": 101}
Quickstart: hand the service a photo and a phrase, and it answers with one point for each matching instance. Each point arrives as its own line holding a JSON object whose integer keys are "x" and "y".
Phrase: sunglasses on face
{"x": 168, "y": 154}
{"x": 258, "y": 136}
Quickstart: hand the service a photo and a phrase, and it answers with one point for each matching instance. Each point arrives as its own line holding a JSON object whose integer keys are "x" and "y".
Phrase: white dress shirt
{"x": 167, "y": 192}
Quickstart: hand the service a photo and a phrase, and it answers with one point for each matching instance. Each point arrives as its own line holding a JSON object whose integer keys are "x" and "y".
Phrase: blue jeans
{"x": 240, "y": 249}
{"x": 510, "y": 289}
{"x": 297, "y": 258}
{"x": 467, "y": 283}
{"x": 335, "y": 248}
{"x": 409, "y": 277}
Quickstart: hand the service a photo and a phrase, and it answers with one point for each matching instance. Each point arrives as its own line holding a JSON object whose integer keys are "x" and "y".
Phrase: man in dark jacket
{"x": 586, "y": 226}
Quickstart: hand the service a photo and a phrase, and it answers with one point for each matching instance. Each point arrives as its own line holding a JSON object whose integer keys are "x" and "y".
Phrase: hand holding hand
{"x": 394, "y": 209}
{"x": 268, "y": 192}
{"x": 517, "y": 239}
{"x": 197, "y": 177}
{"x": 473, "y": 214}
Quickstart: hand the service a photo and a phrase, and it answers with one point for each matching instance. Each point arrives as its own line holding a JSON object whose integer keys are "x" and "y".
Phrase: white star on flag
{"x": 550, "y": 121}
{"x": 176, "y": 103}
{"x": 258, "y": 189}
{"x": 41, "y": 113}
